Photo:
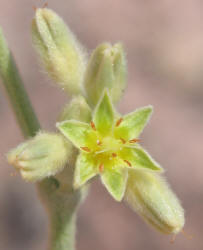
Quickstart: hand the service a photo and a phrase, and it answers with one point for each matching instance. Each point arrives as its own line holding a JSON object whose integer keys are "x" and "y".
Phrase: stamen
{"x": 129, "y": 164}
{"x": 34, "y": 8}
{"x": 101, "y": 168}
{"x": 119, "y": 122}
{"x": 99, "y": 143}
{"x": 86, "y": 149}
{"x": 93, "y": 125}
{"x": 134, "y": 140}
{"x": 114, "y": 155}
{"x": 123, "y": 141}
{"x": 101, "y": 151}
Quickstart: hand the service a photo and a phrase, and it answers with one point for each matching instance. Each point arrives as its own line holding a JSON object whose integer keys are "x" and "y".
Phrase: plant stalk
{"x": 59, "y": 198}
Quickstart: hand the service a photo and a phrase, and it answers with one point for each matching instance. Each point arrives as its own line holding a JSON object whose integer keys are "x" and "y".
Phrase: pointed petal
{"x": 104, "y": 114}
{"x": 115, "y": 182}
{"x": 85, "y": 169}
{"x": 77, "y": 132}
{"x": 139, "y": 158}
{"x": 133, "y": 123}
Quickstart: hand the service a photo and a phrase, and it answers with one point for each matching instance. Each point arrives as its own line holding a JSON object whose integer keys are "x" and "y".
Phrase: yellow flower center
{"x": 106, "y": 150}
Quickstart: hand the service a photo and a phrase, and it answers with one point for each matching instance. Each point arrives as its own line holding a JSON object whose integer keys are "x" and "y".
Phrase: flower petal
{"x": 139, "y": 158}
{"x": 85, "y": 169}
{"x": 77, "y": 132}
{"x": 115, "y": 181}
{"x": 133, "y": 123}
{"x": 104, "y": 115}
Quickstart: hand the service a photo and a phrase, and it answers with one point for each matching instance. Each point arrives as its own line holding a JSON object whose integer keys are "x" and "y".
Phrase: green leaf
{"x": 85, "y": 169}
{"x": 77, "y": 132}
{"x": 133, "y": 123}
{"x": 139, "y": 158}
{"x": 104, "y": 115}
{"x": 115, "y": 181}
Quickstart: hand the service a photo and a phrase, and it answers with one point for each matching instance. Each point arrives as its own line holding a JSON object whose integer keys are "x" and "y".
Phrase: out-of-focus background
{"x": 164, "y": 46}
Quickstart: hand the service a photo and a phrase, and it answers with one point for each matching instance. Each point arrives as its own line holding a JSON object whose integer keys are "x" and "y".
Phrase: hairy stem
{"x": 60, "y": 200}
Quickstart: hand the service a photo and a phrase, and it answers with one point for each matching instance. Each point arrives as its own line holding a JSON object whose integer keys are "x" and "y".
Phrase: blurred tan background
{"x": 164, "y": 45}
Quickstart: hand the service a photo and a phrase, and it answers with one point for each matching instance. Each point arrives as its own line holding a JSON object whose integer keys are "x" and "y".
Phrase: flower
{"x": 109, "y": 146}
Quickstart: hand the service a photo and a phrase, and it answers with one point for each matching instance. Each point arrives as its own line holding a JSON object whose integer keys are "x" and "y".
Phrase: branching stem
{"x": 61, "y": 201}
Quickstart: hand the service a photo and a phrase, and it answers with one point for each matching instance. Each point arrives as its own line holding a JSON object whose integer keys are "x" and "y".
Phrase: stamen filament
{"x": 101, "y": 151}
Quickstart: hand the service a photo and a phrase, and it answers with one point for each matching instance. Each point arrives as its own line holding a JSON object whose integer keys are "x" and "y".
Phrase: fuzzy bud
{"x": 60, "y": 52}
{"x": 149, "y": 195}
{"x": 77, "y": 109}
{"x": 42, "y": 156}
{"x": 106, "y": 69}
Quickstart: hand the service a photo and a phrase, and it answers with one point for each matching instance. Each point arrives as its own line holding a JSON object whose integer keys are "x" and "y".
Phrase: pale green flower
{"x": 109, "y": 146}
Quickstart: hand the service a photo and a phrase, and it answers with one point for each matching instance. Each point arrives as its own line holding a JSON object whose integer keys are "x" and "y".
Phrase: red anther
{"x": 101, "y": 168}
{"x": 86, "y": 149}
{"x": 93, "y": 125}
{"x": 119, "y": 122}
{"x": 129, "y": 164}
{"x": 134, "y": 140}
{"x": 114, "y": 154}
{"x": 99, "y": 143}
{"x": 34, "y": 8}
{"x": 123, "y": 141}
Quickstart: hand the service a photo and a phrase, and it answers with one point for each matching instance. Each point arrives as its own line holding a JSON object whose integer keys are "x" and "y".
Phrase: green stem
{"x": 20, "y": 103}
{"x": 57, "y": 195}
{"x": 61, "y": 203}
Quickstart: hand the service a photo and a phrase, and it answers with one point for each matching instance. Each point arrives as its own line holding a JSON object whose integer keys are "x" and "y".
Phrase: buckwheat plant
{"x": 92, "y": 137}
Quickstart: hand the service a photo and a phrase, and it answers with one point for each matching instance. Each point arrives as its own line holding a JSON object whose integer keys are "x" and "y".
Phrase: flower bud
{"x": 149, "y": 195}
{"x": 42, "y": 156}
{"x": 61, "y": 54}
{"x": 106, "y": 69}
{"x": 77, "y": 109}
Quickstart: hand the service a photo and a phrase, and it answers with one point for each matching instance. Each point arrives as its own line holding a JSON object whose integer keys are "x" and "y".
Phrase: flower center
{"x": 107, "y": 150}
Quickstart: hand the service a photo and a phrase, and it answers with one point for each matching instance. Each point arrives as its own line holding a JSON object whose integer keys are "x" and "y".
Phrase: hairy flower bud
{"x": 62, "y": 55}
{"x": 149, "y": 195}
{"x": 77, "y": 109}
{"x": 42, "y": 156}
{"x": 106, "y": 69}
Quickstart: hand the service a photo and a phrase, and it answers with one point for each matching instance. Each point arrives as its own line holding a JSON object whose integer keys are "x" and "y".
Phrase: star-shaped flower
{"x": 109, "y": 146}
